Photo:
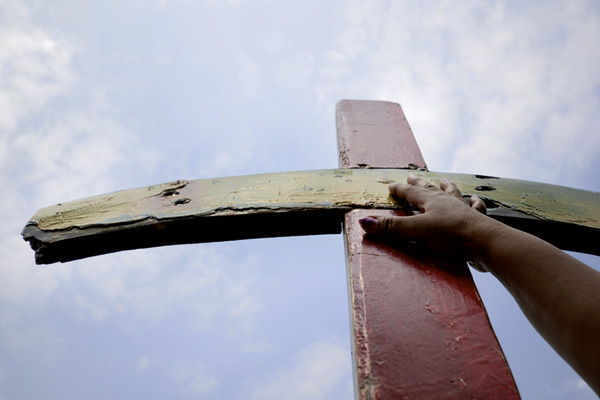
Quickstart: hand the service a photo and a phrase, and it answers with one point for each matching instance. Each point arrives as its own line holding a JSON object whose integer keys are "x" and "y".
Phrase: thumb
{"x": 406, "y": 228}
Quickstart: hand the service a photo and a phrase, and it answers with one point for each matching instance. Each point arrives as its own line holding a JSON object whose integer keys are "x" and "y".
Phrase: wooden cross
{"x": 419, "y": 327}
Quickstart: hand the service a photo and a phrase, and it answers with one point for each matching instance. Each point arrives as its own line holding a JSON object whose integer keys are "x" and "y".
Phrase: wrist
{"x": 483, "y": 232}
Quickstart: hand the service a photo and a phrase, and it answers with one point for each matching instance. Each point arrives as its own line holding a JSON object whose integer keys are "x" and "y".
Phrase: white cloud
{"x": 496, "y": 87}
{"x": 61, "y": 138}
{"x": 17, "y": 283}
{"x": 49, "y": 148}
{"x": 142, "y": 285}
{"x": 543, "y": 111}
{"x": 571, "y": 388}
{"x": 50, "y": 151}
{"x": 230, "y": 158}
{"x": 34, "y": 67}
{"x": 44, "y": 157}
{"x": 317, "y": 372}
{"x": 194, "y": 380}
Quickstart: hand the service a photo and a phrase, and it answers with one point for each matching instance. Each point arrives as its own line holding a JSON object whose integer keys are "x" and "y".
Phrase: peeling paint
{"x": 367, "y": 188}
{"x": 326, "y": 194}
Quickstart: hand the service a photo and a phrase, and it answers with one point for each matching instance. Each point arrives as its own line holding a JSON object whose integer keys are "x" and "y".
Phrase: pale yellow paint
{"x": 347, "y": 188}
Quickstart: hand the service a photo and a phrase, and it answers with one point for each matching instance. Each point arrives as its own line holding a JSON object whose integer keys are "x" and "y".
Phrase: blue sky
{"x": 103, "y": 96}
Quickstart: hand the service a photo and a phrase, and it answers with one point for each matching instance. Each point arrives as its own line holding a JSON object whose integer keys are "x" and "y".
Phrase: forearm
{"x": 557, "y": 293}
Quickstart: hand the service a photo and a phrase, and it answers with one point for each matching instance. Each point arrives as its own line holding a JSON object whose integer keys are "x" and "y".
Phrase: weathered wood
{"x": 279, "y": 204}
{"x": 420, "y": 327}
{"x": 420, "y": 330}
{"x": 384, "y": 152}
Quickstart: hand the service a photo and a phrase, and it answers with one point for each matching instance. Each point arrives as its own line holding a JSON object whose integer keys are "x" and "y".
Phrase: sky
{"x": 97, "y": 97}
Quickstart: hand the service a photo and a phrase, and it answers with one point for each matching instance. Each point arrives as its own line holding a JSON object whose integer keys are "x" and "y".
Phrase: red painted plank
{"x": 375, "y": 134}
{"x": 419, "y": 327}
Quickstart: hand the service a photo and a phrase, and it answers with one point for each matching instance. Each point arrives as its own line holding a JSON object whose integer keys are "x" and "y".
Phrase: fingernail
{"x": 446, "y": 180}
{"x": 368, "y": 224}
{"x": 475, "y": 197}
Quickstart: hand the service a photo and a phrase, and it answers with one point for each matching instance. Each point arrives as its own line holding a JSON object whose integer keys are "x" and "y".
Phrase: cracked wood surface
{"x": 203, "y": 210}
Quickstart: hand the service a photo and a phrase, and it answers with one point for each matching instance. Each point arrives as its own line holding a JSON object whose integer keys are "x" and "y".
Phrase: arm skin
{"x": 559, "y": 295}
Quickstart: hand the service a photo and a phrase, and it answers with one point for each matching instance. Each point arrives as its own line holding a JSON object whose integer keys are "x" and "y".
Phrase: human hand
{"x": 446, "y": 223}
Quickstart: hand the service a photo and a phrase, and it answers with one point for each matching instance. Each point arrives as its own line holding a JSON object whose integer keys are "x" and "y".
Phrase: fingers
{"x": 415, "y": 191}
{"x": 451, "y": 188}
{"x": 413, "y": 194}
{"x": 478, "y": 204}
{"x": 443, "y": 223}
{"x": 402, "y": 228}
{"x": 416, "y": 181}
{"x": 417, "y": 228}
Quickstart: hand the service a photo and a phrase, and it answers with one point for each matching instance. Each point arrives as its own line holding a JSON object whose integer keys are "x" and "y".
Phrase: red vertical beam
{"x": 375, "y": 134}
{"x": 419, "y": 327}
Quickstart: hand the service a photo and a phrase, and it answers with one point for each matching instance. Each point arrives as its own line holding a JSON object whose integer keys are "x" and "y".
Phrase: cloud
{"x": 49, "y": 146}
{"x": 194, "y": 380}
{"x": 51, "y": 150}
{"x": 571, "y": 388}
{"x": 495, "y": 87}
{"x": 531, "y": 90}
{"x": 230, "y": 158}
{"x": 62, "y": 136}
{"x": 46, "y": 154}
{"x": 34, "y": 68}
{"x": 142, "y": 288}
{"x": 317, "y": 372}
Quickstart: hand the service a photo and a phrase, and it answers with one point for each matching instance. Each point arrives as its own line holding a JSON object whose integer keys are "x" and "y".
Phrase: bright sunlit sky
{"x": 102, "y": 96}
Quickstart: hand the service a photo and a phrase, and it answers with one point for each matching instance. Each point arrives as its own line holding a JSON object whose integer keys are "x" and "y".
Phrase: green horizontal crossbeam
{"x": 289, "y": 204}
